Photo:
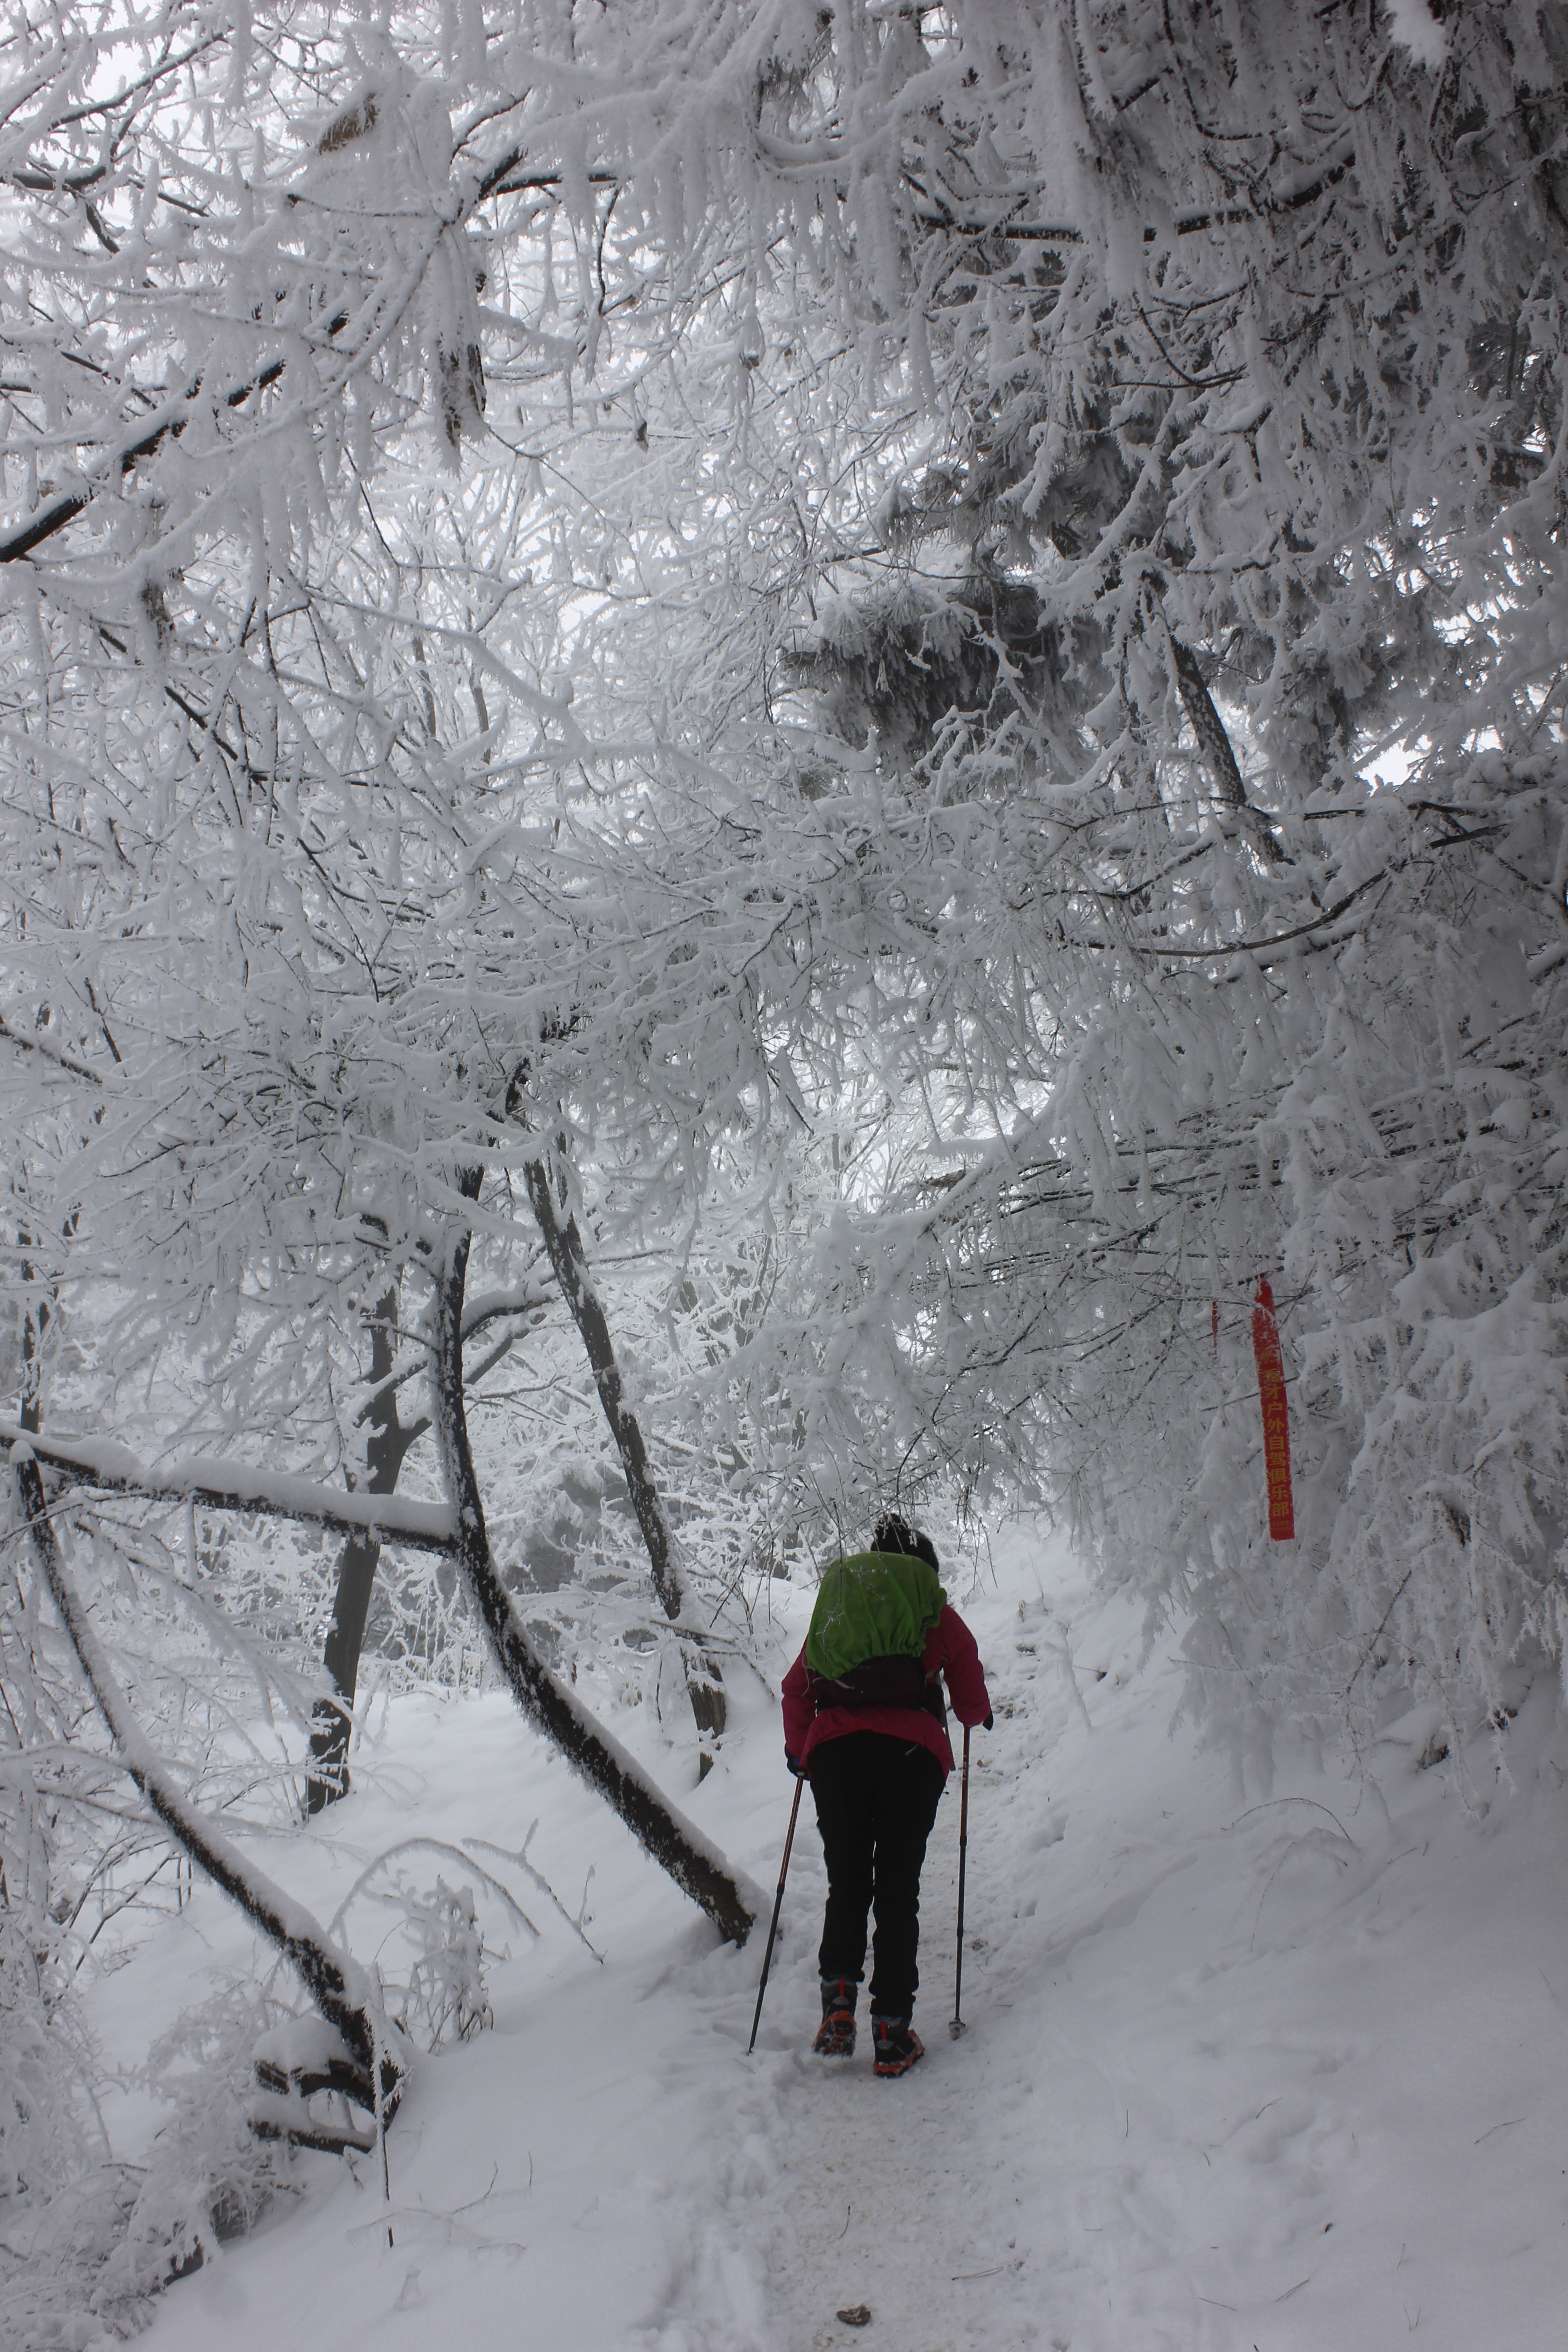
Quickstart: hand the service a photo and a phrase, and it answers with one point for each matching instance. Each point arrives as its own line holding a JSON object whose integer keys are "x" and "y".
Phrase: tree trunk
{"x": 389, "y": 1442}
{"x": 676, "y": 1845}
{"x": 1217, "y": 749}
{"x": 564, "y": 1246}
{"x": 340, "y": 1988}
{"x": 332, "y": 1718}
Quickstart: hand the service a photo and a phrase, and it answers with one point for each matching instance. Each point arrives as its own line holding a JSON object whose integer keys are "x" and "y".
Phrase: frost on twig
{"x": 485, "y": 1846}
{"x": 443, "y": 1990}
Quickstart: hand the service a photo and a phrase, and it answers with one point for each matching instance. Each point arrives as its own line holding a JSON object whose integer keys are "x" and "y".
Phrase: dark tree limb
{"x": 332, "y": 1717}
{"x": 49, "y": 1052}
{"x": 339, "y": 1987}
{"x": 676, "y": 1845}
{"x": 1214, "y": 743}
{"x": 36, "y": 1322}
{"x": 564, "y": 1246}
{"x": 385, "y": 1449}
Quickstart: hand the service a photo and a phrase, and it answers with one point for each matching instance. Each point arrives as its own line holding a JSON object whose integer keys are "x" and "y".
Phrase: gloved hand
{"x": 797, "y": 1767}
{"x": 989, "y": 1724}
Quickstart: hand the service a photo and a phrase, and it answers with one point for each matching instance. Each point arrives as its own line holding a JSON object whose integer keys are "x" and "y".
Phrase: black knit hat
{"x": 893, "y": 1534}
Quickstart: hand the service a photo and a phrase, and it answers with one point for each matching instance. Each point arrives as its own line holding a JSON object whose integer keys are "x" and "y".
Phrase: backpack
{"x": 868, "y": 1631}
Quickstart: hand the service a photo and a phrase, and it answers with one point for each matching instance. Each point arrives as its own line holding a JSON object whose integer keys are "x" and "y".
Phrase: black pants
{"x": 875, "y": 1801}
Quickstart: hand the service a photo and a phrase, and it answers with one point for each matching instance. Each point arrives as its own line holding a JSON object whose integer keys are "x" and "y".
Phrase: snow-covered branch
{"x": 564, "y": 1246}
{"x": 696, "y": 1864}
{"x": 344, "y": 1992}
{"x": 223, "y": 1485}
{"x": 518, "y": 1299}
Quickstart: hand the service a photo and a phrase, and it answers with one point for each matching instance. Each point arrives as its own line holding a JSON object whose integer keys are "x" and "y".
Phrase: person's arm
{"x": 965, "y": 1676}
{"x": 799, "y": 1713}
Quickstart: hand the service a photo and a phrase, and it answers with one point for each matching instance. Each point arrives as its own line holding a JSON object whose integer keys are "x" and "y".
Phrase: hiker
{"x": 865, "y": 1723}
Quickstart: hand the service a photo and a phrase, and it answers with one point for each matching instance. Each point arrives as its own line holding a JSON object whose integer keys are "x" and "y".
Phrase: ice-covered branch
{"x": 224, "y": 1485}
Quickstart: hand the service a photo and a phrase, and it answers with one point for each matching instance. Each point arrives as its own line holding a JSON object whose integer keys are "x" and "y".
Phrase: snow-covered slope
{"x": 1280, "y": 2070}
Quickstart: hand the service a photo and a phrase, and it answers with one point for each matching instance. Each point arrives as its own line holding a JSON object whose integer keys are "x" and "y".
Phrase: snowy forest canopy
{"x": 795, "y": 727}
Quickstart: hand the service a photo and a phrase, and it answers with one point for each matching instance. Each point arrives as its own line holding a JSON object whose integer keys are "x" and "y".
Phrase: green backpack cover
{"x": 875, "y": 1604}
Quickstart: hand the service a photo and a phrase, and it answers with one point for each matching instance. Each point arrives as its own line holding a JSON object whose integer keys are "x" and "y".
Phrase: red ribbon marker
{"x": 1276, "y": 1424}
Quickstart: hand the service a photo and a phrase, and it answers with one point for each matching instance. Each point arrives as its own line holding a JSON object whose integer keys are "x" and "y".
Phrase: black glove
{"x": 797, "y": 1767}
{"x": 989, "y": 1724}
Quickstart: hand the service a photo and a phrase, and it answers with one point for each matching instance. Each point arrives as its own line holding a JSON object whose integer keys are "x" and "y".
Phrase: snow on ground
{"x": 1244, "y": 2069}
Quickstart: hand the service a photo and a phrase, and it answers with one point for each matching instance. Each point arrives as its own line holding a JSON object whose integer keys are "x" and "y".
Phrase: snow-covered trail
{"x": 1285, "y": 2071}
{"x": 916, "y": 2197}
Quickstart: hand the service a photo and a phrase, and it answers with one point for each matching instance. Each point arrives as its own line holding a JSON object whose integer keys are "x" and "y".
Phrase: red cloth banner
{"x": 1275, "y": 1422}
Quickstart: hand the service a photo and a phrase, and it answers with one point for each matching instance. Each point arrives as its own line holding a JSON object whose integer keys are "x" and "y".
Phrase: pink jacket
{"x": 949, "y": 1649}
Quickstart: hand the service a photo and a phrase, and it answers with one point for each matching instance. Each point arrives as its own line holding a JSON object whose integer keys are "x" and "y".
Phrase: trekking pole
{"x": 778, "y": 1904}
{"x": 956, "y": 2025}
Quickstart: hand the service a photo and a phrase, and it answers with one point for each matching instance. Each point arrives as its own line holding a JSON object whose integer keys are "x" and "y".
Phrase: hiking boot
{"x": 835, "y": 2035}
{"x": 898, "y": 2045}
